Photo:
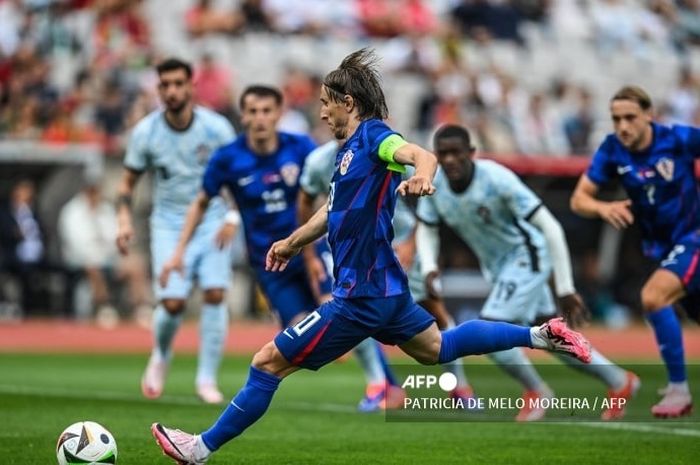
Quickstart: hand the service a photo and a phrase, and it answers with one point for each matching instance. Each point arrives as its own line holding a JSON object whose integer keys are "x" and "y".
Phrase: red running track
{"x": 44, "y": 336}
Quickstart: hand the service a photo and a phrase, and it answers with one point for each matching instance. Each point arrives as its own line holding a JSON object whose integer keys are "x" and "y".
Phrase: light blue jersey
{"x": 179, "y": 158}
{"x": 490, "y": 216}
{"x": 318, "y": 170}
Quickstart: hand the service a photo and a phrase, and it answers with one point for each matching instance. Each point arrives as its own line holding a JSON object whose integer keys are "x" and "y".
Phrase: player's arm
{"x": 282, "y": 251}
{"x": 315, "y": 267}
{"x": 395, "y": 150}
{"x": 194, "y": 216}
{"x": 427, "y": 251}
{"x": 584, "y": 202}
{"x": 125, "y": 226}
{"x": 570, "y": 301}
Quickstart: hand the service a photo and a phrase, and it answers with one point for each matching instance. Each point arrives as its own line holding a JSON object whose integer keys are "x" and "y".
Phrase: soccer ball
{"x": 86, "y": 442}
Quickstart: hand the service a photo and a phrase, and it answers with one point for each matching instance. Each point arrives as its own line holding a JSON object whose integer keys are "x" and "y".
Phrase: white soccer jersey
{"x": 490, "y": 216}
{"x": 179, "y": 158}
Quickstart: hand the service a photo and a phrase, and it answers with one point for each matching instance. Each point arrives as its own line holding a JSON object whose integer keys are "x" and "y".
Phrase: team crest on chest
{"x": 290, "y": 173}
{"x": 665, "y": 168}
{"x": 202, "y": 152}
{"x": 345, "y": 161}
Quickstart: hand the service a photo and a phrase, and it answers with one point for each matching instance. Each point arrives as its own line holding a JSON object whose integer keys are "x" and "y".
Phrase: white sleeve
{"x": 427, "y": 247}
{"x": 558, "y": 249}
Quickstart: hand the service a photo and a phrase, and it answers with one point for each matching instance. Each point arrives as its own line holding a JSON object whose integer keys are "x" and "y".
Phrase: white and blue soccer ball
{"x": 86, "y": 442}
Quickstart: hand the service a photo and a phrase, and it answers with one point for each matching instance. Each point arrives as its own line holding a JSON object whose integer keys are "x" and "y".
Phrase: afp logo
{"x": 446, "y": 381}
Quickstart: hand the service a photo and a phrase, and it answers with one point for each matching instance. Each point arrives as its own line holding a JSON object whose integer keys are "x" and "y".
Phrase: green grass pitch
{"x": 311, "y": 420}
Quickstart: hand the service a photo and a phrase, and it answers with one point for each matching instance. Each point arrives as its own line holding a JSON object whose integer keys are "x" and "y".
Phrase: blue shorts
{"x": 340, "y": 324}
{"x": 684, "y": 262}
{"x": 203, "y": 261}
{"x": 289, "y": 292}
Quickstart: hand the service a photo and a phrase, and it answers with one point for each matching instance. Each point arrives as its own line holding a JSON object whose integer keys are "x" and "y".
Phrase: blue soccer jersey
{"x": 661, "y": 183}
{"x": 265, "y": 188}
{"x": 361, "y": 205}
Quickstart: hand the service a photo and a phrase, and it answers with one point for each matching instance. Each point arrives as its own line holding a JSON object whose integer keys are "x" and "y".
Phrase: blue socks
{"x": 246, "y": 408}
{"x": 669, "y": 338}
{"x": 481, "y": 337}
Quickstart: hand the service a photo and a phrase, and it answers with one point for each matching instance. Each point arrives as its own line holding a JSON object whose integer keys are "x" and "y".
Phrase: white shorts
{"x": 520, "y": 294}
{"x": 204, "y": 261}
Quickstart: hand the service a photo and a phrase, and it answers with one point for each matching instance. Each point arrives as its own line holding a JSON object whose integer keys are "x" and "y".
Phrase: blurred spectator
{"x": 538, "y": 130}
{"x": 213, "y": 86}
{"x": 578, "y": 126}
{"x": 121, "y": 36}
{"x": 484, "y": 20}
{"x": 687, "y": 28}
{"x": 62, "y": 127}
{"x": 23, "y": 249}
{"x": 203, "y": 19}
{"x": 682, "y": 101}
{"x": 11, "y": 20}
{"x": 88, "y": 230}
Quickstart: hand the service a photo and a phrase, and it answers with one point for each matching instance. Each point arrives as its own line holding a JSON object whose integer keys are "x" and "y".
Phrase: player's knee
{"x": 214, "y": 296}
{"x": 269, "y": 359}
{"x": 652, "y": 300}
{"x": 174, "y": 306}
{"x": 430, "y": 354}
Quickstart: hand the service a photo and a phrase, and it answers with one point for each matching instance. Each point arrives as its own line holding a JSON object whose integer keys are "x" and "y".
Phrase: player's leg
{"x": 666, "y": 286}
{"x": 316, "y": 340}
{"x": 168, "y": 315}
{"x": 213, "y": 270}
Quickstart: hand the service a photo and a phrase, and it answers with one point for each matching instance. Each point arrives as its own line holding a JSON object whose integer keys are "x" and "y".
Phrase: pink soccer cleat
{"x": 154, "y": 378}
{"x": 616, "y": 411}
{"x": 183, "y": 447}
{"x": 675, "y": 403}
{"x": 559, "y": 338}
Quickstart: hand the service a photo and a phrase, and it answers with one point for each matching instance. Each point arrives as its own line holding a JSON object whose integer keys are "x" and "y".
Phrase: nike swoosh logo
{"x": 245, "y": 181}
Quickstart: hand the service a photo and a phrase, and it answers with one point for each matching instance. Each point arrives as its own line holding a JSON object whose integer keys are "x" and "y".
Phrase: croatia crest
{"x": 345, "y": 162}
{"x": 290, "y": 173}
{"x": 665, "y": 168}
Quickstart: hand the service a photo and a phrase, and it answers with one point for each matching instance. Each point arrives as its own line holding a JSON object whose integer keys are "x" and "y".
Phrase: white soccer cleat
{"x": 210, "y": 394}
{"x": 183, "y": 447}
{"x": 557, "y": 337}
{"x": 153, "y": 378}
{"x": 675, "y": 403}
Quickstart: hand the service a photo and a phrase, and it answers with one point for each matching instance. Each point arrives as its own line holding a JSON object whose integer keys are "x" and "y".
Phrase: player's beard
{"x": 176, "y": 108}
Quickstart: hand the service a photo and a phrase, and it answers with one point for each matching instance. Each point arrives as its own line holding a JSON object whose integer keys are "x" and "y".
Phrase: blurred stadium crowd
{"x": 528, "y": 77}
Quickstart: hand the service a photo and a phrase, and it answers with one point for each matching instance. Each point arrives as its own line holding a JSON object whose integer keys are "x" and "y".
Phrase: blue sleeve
{"x": 375, "y": 134}
{"x": 215, "y": 174}
{"x": 690, "y": 138}
{"x": 602, "y": 169}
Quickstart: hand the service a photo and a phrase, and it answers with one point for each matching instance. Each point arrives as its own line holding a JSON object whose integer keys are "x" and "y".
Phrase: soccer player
{"x": 261, "y": 169}
{"x": 370, "y": 293}
{"x": 176, "y": 144}
{"x": 655, "y": 164}
{"x": 519, "y": 244}
{"x": 315, "y": 181}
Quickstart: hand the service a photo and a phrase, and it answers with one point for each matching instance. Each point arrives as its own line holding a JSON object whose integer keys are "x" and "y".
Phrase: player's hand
{"x": 575, "y": 311}
{"x": 433, "y": 285}
{"x": 225, "y": 235}
{"x": 316, "y": 271}
{"x": 416, "y": 185}
{"x": 617, "y": 213}
{"x": 279, "y": 255}
{"x": 174, "y": 264}
{"x": 125, "y": 234}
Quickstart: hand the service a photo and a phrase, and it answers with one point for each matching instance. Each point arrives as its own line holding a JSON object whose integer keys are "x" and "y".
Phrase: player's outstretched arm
{"x": 421, "y": 183}
{"x": 125, "y": 227}
{"x": 195, "y": 212}
{"x": 282, "y": 251}
{"x": 572, "y": 306}
{"x": 584, "y": 202}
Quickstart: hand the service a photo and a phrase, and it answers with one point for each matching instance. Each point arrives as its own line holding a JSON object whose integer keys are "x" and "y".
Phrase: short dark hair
{"x": 172, "y": 64}
{"x": 634, "y": 94}
{"x": 261, "y": 91}
{"x": 358, "y": 77}
{"x": 453, "y": 130}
